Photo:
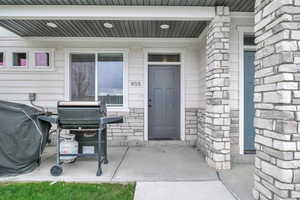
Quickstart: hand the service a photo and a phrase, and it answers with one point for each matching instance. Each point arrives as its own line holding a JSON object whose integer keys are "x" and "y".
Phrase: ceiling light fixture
{"x": 51, "y": 24}
{"x": 108, "y": 25}
{"x": 164, "y": 26}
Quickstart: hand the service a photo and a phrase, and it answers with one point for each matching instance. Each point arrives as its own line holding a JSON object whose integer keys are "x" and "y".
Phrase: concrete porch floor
{"x": 151, "y": 163}
{"x": 129, "y": 164}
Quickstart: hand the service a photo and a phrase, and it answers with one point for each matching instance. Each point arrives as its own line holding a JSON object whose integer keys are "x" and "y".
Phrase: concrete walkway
{"x": 167, "y": 171}
{"x": 164, "y": 163}
{"x": 205, "y": 190}
{"x": 239, "y": 180}
{"x": 129, "y": 164}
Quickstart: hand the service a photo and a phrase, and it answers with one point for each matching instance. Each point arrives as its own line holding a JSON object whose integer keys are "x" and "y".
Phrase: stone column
{"x": 217, "y": 121}
{"x": 277, "y": 100}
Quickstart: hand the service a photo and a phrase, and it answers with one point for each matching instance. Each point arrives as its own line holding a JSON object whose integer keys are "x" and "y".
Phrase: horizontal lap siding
{"x": 136, "y": 74}
{"x": 192, "y": 78}
{"x": 49, "y": 86}
{"x": 202, "y": 73}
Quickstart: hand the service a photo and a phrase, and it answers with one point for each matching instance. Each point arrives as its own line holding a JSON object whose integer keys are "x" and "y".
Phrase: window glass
{"x": 110, "y": 78}
{"x": 249, "y": 40}
{"x": 164, "y": 58}
{"x": 41, "y": 59}
{"x": 83, "y": 77}
{"x": 1, "y": 59}
{"x": 20, "y": 59}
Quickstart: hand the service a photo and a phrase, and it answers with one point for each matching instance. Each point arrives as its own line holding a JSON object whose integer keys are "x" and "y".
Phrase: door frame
{"x": 181, "y": 52}
{"x": 242, "y": 30}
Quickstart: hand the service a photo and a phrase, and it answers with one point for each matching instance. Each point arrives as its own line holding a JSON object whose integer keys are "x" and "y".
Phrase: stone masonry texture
{"x": 234, "y": 135}
{"x": 216, "y": 137}
{"x": 201, "y": 140}
{"x": 133, "y": 127}
{"x": 277, "y": 100}
{"x": 191, "y": 123}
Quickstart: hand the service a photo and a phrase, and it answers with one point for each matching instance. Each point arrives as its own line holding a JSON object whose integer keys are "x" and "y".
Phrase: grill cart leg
{"x": 99, "y": 153}
{"x": 104, "y": 142}
{"x": 57, "y": 169}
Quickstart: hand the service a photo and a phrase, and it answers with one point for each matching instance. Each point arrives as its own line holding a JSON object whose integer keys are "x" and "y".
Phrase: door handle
{"x": 149, "y": 103}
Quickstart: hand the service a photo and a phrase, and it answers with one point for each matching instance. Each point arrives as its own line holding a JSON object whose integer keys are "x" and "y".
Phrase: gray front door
{"x": 249, "y": 111}
{"x": 164, "y": 102}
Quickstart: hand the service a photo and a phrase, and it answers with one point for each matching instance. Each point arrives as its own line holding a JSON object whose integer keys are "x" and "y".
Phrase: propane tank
{"x": 68, "y": 145}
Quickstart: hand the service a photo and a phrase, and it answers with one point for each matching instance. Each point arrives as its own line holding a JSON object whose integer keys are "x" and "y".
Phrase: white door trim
{"x": 242, "y": 30}
{"x": 181, "y": 51}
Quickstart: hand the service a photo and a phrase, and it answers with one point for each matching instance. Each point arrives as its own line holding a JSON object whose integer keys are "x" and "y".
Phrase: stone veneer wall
{"x": 131, "y": 129}
{"x": 234, "y": 134}
{"x": 202, "y": 139}
{"x": 217, "y": 116}
{"x": 191, "y": 123}
{"x": 277, "y": 100}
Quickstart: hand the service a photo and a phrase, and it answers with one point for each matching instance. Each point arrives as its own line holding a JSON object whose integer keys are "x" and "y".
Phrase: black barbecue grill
{"x": 79, "y": 117}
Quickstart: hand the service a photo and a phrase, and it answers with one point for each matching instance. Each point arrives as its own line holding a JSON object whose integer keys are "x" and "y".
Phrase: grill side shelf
{"x": 111, "y": 120}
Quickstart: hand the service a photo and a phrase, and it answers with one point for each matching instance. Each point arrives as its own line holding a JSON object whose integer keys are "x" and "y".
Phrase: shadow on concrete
{"x": 129, "y": 164}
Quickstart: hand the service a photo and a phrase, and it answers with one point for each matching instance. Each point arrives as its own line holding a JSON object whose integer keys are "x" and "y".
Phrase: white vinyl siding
{"x": 136, "y": 75}
{"x": 192, "y": 78}
{"x": 202, "y": 73}
{"x": 50, "y": 85}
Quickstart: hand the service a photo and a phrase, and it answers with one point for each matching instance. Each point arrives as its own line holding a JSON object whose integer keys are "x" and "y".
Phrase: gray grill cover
{"x": 23, "y": 138}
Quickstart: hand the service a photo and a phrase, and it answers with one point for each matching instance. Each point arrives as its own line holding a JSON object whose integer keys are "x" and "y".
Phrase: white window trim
{"x": 8, "y": 60}
{"x": 32, "y": 60}
{"x": 12, "y": 62}
{"x": 242, "y": 30}
{"x": 182, "y": 52}
{"x": 69, "y": 51}
{"x": 4, "y": 66}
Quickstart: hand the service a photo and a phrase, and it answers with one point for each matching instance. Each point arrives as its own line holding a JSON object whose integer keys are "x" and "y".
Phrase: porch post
{"x": 277, "y": 100}
{"x": 217, "y": 121}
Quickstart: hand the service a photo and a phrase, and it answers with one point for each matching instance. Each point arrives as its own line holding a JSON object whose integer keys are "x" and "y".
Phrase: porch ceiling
{"x": 95, "y": 28}
{"x": 235, "y": 5}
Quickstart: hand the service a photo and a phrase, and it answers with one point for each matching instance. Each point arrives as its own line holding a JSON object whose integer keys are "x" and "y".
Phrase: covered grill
{"x": 23, "y": 137}
{"x": 79, "y": 117}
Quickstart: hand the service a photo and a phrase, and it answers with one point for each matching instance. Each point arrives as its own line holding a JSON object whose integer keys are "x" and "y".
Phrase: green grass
{"x": 65, "y": 191}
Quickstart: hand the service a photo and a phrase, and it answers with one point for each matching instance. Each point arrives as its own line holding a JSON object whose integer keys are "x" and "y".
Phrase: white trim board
{"x": 85, "y": 12}
{"x": 110, "y": 39}
{"x": 242, "y": 30}
{"x": 181, "y": 51}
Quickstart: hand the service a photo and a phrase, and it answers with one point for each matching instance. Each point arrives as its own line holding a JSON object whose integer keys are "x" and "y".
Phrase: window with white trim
{"x": 158, "y": 57}
{"x": 2, "y": 59}
{"x": 110, "y": 78}
{"x": 41, "y": 59}
{"x": 19, "y": 59}
{"x": 98, "y": 76}
{"x": 27, "y": 59}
